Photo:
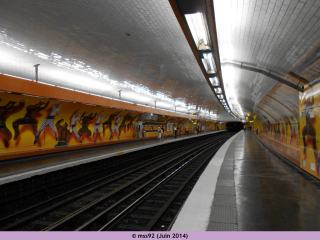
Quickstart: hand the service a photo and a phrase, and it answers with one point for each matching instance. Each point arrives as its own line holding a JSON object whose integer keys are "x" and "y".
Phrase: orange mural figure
{"x": 96, "y": 126}
{"x": 29, "y": 118}
{"x": 55, "y": 111}
{"x": 277, "y": 134}
{"x": 63, "y": 133}
{"x": 309, "y": 130}
{"x": 291, "y": 127}
{"x": 5, "y": 112}
{"x": 269, "y": 127}
{"x": 115, "y": 127}
{"x": 142, "y": 128}
{"x": 125, "y": 124}
{"x": 75, "y": 117}
{"x": 293, "y": 131}
{"x": 108, "y": 123}
{"x": 122, "y": 128}
{"x": 85, "y": 122}
{"x": 131, "y": 123}
{"x": 283, "y": 134}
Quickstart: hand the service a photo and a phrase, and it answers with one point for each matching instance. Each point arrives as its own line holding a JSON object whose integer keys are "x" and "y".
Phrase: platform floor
{"x": 17, "y": 169}
{"x": 253, "y": 190}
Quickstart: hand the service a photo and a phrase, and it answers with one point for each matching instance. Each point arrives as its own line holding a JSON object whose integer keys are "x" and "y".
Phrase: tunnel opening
{"x": 234, "y": 126}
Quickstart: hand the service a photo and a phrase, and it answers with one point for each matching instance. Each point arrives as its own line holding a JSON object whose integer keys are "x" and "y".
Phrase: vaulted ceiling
{"x": 103, "y": 47}
{"x": 138, "y": 47}
{"x": 276, "y": 36}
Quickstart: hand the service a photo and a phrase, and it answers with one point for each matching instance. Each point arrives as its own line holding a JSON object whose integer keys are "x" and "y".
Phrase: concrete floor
{"x": 253, "y": 190}
{"x": 270, "y": 194}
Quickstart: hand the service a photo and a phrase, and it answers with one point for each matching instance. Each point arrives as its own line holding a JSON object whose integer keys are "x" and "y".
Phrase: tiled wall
{"x": 277, "y": 119}
{"x": 294, "y": 137}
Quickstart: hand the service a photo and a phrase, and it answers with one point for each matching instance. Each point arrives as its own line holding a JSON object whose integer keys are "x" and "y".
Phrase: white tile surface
{"x": 83, "y": 44}
{"x": 272, "y": 35}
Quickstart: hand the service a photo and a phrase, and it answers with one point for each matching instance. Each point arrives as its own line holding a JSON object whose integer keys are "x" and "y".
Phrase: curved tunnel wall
{"x": 288, "y": 122}
{"x": 277, "y": 119}
{"x": 310, "y": 130}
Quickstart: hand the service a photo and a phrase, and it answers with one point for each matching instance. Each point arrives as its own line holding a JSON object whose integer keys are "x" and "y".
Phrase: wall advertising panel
{"x": 309, "y": 130}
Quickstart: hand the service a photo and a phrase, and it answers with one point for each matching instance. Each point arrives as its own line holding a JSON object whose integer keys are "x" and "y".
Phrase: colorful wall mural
{"x": 309, "y": 130}
{"x": 29, "y": 123}
{"x": 288, "y": 121}
{"x": 276, "y": 118}
{"x": 290, "y": 129}
{"x": 279, "y": 115}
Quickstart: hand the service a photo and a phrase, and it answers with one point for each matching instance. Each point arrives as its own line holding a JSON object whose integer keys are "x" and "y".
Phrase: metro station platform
{"x": 17, "y": 169}
{"x": 247, "y": 188}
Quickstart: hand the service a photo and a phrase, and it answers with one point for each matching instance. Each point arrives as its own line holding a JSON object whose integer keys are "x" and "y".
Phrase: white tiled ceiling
{"x": 83, "y": 44}
{"x": 270, "y": 34}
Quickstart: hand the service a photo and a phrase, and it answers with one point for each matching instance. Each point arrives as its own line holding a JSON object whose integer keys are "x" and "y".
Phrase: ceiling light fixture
{"x": 214, "y": 81}
{"x": 209, "y": 63}
{"x": 198, "y": 28}
{"x": 218, "y": 90}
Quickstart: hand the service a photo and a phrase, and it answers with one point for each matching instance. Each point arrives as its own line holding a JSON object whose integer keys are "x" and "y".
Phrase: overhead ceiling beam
{"x": 182, "y": 7}
{"x": 300, "y": 79}
{"x": 268, "y": 74}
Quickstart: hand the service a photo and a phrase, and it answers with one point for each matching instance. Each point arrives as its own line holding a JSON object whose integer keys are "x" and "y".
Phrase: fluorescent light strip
{"x": 10, "y": 75}
{"x": 17, "y": 77}
{"x": 86, "y": 93}
{"x": 28, "y": 95}
{"x": 198, "y": 30}
{"x": 218, "y": 90}
{"x": 107, "y": 97}
{"x": 46, "y": 83}
{"x": 220, "y": 96}
{"x": 66, "y": 88}
{"x": 214, "y": 81}
{"x": 205, "y": 64}
{"x": 126, "y": 101}
{"x": 82, "y": 91}
{"x": 96, "y": 95}
{"x": 210, "y": 64}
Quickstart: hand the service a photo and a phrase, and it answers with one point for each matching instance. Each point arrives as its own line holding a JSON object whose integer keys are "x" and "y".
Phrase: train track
{"x": 20, "y": 195}
{"x": 113, "y": 202}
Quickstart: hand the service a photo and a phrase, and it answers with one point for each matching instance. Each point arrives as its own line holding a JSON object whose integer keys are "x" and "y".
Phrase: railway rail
{"x": 144, "y": 196}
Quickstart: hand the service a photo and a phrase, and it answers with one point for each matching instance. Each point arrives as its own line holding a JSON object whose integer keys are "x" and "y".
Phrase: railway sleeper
{"x": 155, "y": 201}
{"x": 148, "y": 208}
{"x": 136, "y": 216}
{"x": 61, "y": 213}
{"x": 131, "y": 227}
{"x": 165, "y": 194}
{"x": 43, "y": 222}
{"x": 168, "y": 220}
